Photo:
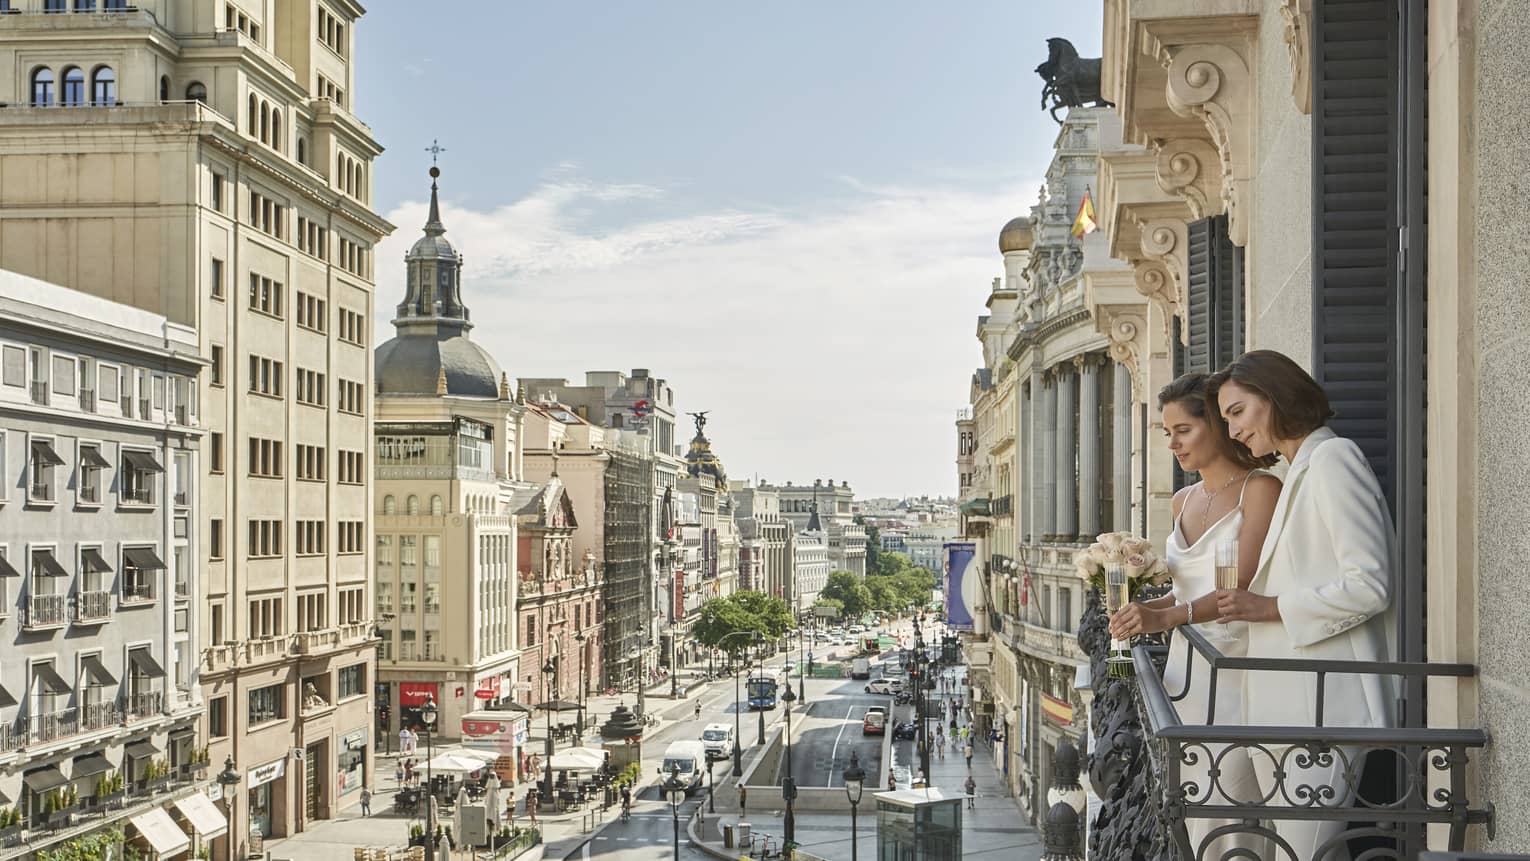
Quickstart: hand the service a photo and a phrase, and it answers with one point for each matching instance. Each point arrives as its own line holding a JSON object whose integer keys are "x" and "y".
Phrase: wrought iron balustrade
{"x": 142, "y": 704}
{"x": 100, "y": 715}
{"x": 47, "y": 726}
{"x": 92, "y": 606}
{"x": 1429, "y": 785}
{"x": 46, "y": 610}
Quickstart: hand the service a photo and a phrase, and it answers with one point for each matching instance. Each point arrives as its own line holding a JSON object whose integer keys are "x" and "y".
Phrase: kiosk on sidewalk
{"x": 918, "y": 825}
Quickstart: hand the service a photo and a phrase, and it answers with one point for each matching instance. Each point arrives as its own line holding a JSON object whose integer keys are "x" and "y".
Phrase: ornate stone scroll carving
{"x": 1297, "y": 15}
{"x": 1210, "y": 82}
{"x": 1190, "y": 169}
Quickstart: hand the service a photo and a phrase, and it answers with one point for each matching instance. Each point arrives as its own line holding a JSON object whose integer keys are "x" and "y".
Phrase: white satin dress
{"x": 1193, "y": 569}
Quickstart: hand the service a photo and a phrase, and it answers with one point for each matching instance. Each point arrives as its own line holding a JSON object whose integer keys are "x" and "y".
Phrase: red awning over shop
{"x": 415, "y": 693}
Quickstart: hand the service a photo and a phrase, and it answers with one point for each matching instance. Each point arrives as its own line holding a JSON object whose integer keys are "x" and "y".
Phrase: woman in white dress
{"x": 1322, "y": 589}
{"x": 1233, "y": 501}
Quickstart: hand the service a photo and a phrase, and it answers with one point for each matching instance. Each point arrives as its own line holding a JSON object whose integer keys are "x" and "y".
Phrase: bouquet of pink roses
{"x": 1135, "y": 554}
{"x": 1119, "y": 564}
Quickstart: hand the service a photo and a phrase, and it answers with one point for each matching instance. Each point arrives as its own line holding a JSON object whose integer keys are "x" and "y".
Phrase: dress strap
{"x": 1244, "y": 489}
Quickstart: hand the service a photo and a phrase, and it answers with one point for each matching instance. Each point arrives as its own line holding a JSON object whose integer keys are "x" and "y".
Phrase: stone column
{"x": 1066, "y": 464}
{"x": 1049, "y": 459}
{"x": 1037, "y": 483}
{"x": 1089, "y": 447}
{"x": 1121, "y": 459}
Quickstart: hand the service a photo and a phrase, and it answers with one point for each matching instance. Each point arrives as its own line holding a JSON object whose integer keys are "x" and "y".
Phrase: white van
{"x": 717, "y": 738}
{"x": 690, "y": 758}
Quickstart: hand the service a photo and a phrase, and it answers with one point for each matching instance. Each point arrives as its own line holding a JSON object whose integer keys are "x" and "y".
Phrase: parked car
{"x": 875, "y": 721}
{"x": 906, "y": 730}
{"x": 884, "y": 686}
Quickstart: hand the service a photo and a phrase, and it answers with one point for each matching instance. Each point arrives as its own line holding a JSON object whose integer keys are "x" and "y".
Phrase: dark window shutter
{"x": 1355, "y": 185}
{"x": 1200, "y": 286}
{"x": 1226, "y": 295}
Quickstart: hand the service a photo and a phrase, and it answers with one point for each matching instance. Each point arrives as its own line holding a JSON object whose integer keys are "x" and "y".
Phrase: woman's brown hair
{"x": 1189, "y": 391}
{"x": 1298, "y": 405}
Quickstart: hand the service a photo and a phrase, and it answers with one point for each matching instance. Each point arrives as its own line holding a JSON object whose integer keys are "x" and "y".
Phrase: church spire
{"x": 433, "y": 301}
{"x": 814, "y": 524}
{"x": 433, "y": 225}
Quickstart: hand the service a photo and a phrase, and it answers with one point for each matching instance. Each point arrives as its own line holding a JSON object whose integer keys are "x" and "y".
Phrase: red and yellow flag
{"x": 1084, "y": 223}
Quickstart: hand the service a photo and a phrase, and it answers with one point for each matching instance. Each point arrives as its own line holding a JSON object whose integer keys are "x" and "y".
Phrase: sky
{"x": 789, "y": 210}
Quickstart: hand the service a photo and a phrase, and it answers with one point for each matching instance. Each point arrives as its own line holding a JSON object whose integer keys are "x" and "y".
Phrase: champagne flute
{"x": 1117, "y": 592}
{"x": 1227, "y": 564}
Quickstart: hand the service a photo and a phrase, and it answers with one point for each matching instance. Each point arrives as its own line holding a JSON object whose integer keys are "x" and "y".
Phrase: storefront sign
{"x": 415, "y": 693}
{"x": 487, "y": 689}
{"x": 261, "y": 775}
{"x": 1056, "y": 710}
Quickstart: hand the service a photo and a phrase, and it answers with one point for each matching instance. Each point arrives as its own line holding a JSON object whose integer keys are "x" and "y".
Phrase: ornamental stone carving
{"x": 1297, "y": 15}
{"x": 1211, "y": 82}
{"x": 1190, "y": 169}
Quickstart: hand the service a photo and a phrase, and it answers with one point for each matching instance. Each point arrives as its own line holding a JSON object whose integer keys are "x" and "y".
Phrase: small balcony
{"x": 95, "y": 606}
{"x": 96, "y": 716}
{"x": 39, "y": 392}
{"x": 46, "y": 611}
{"x": 139, "y": 592}
{"x": 144, "y": 704}
{"x": 127, "y": 406}
{"x": 10, "y": 739}
{"x": 356, "y": 632}
{"x": 313, "y": 642}
{"x": 88, "y": 400}
{"x": 50, "y": 726}
{"x": 265, "y": 649}
{"x": 143, "y": 408}
{"x": 220, "y": 657}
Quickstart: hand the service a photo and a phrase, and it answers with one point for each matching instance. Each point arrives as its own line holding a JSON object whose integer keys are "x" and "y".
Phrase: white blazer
{"x": 1330, "y": 561}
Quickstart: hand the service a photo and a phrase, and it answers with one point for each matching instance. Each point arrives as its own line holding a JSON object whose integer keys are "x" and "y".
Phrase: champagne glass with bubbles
{"x": 1227, "y": 564}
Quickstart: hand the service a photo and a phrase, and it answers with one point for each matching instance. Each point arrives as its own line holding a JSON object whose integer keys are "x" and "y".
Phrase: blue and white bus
{"x": 761, "y": 691}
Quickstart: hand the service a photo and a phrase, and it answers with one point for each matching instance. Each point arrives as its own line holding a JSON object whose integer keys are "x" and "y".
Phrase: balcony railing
{"x": 1322, "y": 764}
{"x": 143, "y": 408}
{"x": 140, "y": 495}
{"x": 10, "y": 738}
{"x": 269, "y": 647}
{"x": 137, "y": 592}
{"x": 93, "y": 606}
{"x": 88, "y": 400}
{"x": 99, "y": 716}
{"x": 45, "y": 610}
{"x": 312, "y": 642}
{"x": 39, "y": 392}
{"x": 48, "y": 726}
{"x": 143, "y": 704}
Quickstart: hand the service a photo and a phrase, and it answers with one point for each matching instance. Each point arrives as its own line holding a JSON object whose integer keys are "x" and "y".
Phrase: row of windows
{"x": 310, "y": 387}
{"x": 311, "y": 238}
{"x": 331, "y": 31}
{"x": 265, "y": 458}
{"x": 270, "y": 703}
{"x": 353, "y": 327}
{"x": 412, "y": 505}
{"x": 49, "y": 377}
{"x": 310, "y": 462}
{"x": 312, "y": 312}
{"x": 264, "y": 123}
{"x": 69, "y": 87}
{"x": 352, "y": 398}
{"x": 265, "y": 538}
{"x": 308, "y": 537}
{"x": 324, "y": 88}
{"x": 351, "y": 467}
{"x": 233, "y": 19}
{"x": 136, "y": 473}
{"x": 350, "y": 537}
{"x": 265, "y": 376}
{"x": 61, "y": 6}
{"x": 266, "y": 215}
{"x": 355, "y": 258}
{"x": 48, "y": 581}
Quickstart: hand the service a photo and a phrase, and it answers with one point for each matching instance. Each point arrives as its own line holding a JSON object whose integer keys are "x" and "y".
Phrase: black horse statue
{"x": 1072, "y": 82}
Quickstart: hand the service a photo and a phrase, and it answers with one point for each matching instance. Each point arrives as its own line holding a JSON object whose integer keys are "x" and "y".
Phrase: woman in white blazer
{"x": 1322, "y": 589}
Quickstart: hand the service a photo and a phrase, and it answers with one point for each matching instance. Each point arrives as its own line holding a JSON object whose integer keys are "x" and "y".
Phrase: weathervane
{"x": 435, "y": 149}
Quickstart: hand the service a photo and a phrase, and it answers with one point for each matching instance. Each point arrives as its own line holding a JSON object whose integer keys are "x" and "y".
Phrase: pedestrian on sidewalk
{"x": 969, "y": 760}
{"x": 366, "y": 801}
{"x": 403, "y": 740}
{"x": 531, "y": 804}
{"x": 971, "y": 787}
{"x": 398, "y": 772}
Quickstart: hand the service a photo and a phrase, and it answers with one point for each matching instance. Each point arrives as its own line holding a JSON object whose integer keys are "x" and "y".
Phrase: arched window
{"x": 254, "y": 129}
{"x": 164, "y": 88}
{"x": 103, "y": 86}
{"x": 390, "y": 505}
{"x": 42, "y": 87}
{"x": 73, "y": 94}
{"x": 276, "y": 130}
{"x": 196, "y": 91}
{"x": 349, "y": 177}
{"x": 437, "y": 508}
{"x": 412, "y": 505}
{"x": 265, "y": 122}
{"x": 361, "y": 182}
{"x": 302, "y": 152}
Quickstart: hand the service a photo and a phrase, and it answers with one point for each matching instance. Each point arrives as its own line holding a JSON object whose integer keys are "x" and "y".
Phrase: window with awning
{"x": 202, "y": 815}
{"x": 44, "y": 779}
{"x": 141, "y": 460}
{"x": 7, "y": 569}
{"x": 94, "y": 561}
{"x": 45, "y": 564}
{"x": 49, "y": 680}
{"x": 143, "y": 558}
{"x": 141, "y": 749}
{"x": 90, "y": 765}
{"x": 6, "y": 701}
{"x": 91, "y": 456}
{"x": 144, "y": 664}
{"x": 96, "y": 671}
{"x": 43, "y": 453}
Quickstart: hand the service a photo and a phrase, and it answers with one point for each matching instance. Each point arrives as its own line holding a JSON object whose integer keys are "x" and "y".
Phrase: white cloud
{"x": 831, "y": 343}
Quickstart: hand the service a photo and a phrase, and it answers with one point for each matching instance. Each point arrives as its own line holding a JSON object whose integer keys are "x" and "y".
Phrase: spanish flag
{"x": 1085, "y": 223}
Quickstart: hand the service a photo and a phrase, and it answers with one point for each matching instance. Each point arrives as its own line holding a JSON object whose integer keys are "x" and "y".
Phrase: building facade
{"x": 100, "y": 436}
{"x": 227, "y": 187}
{"x": 835, "y": 504}
{"x": 447, "y": 474}
{"x": 560, "y": 598}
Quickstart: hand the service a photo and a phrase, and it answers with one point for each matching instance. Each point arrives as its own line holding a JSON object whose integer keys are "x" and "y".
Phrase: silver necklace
{"x": 1211, "y": 496}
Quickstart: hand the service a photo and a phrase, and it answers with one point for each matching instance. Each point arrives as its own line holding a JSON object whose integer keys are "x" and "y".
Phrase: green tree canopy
{"x": 849, "y": 591}
{"x": 720, "y": 618}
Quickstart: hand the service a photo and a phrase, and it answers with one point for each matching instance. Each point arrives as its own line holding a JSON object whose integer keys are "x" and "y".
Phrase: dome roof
{"x": 1016, "y": 235}
{"x": 411, "y": 364}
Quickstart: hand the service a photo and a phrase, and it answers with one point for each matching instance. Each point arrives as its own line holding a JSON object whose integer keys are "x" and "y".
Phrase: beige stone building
{"x": 201, "y": 161}
{"x": 1343, "y": 192}
{"x": 448, "y": 469}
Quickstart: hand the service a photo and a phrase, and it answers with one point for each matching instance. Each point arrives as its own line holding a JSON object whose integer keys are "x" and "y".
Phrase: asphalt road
{"x": 825, "y": 737}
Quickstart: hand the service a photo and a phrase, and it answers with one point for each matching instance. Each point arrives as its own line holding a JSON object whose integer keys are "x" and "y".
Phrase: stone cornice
{"x": 1120, "y": 313}
{"x": 1297, "y": 15}
{"x": 1147, "y": 225}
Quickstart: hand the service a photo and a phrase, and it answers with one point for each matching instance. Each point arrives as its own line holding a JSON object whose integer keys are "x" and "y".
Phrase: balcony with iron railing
{"x": 143, "y": 704}
{"x": 100, "y": 715}
{"x": 142, "y": 494}
{"x": 11, "y": 739}
{"x": 127, "y": 406}
{"x": 39, "y": 392}
{"x": 137, "y": 591}
{"x": 45, "y": 611}
{"x": 1163, "y": 771}
{"x": 50, "y": 726}
{"x": 93, "y": 606}
{"x": 88, "y": 400}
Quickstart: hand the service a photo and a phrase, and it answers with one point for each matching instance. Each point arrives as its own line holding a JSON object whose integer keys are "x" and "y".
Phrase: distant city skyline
{"x": 789, "y": 212}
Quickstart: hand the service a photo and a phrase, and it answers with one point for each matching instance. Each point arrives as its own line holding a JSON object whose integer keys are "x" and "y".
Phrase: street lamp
{"x": 579, "y": 721}
{"x": 759, "y": 652}
{"x": 801, "y": 666}
{"x": 711, "y": 786}
{"x": 788, "y": 786}
{"x": 549, "y": 671}
{"x": 228, "y": 778}
{"x": 428, "y": 715}
{"x": 674, "y": 791}
{"x": 855, "y": 778}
